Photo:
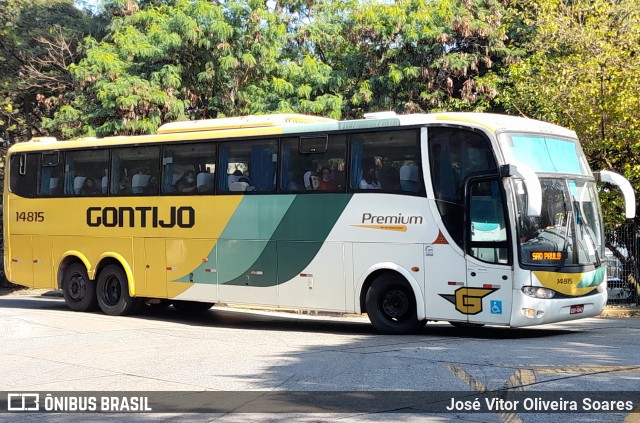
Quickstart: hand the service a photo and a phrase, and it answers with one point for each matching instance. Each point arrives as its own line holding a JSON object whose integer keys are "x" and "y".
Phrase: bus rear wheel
{"x": 79, "y": 293}
{"x": 191, "y": 306}
{"x": 391, "y": 306}
{"x": 113, "y": 292}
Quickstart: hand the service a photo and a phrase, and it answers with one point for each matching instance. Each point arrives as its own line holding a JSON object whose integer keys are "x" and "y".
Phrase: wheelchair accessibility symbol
{"x": 496, "y": 307}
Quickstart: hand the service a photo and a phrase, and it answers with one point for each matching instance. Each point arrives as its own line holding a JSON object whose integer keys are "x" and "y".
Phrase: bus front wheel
{"x": 79, "y": 293}
{"x": 391, "y": 306}
{"x": 113, "y": 292}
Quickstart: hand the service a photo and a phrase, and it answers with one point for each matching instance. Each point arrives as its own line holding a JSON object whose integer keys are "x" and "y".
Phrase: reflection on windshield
{"x": 567, "y": 232}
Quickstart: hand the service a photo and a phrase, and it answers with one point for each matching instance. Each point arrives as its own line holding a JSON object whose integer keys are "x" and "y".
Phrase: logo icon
{"x": 23, "y": 402}
{"x": 496, "y": 307}
{"x": 469, "y": 300}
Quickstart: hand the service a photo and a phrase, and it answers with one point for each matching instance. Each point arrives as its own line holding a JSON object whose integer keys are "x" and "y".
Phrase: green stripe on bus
{"x": 243, "y": 239}
{"x": 296, "y": 241}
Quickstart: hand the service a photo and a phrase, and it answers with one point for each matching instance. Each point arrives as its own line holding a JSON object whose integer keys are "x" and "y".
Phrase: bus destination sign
{"x": 546, "y": 255}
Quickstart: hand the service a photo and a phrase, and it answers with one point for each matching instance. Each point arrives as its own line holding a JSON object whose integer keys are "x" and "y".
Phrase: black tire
{"x": 112, "y": 290}
{"x": 391, "y": 306}
{"x": 78, "y": 291}
{"x": 191, "y": 306}
{"x": 466, "y": 325}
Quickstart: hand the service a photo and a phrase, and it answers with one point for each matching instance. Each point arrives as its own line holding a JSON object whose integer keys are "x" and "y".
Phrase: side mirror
{"x": 625, "y": 187}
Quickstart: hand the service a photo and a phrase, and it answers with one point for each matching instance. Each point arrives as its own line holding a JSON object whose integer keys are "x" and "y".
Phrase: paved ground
{"x": 45, "y": 347}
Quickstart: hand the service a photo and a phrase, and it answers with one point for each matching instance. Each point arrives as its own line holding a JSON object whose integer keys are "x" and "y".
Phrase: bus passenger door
{"x": 489, "y": 255}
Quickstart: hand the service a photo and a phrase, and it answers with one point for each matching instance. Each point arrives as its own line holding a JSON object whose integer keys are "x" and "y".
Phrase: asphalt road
{"x": 47, "y": 348}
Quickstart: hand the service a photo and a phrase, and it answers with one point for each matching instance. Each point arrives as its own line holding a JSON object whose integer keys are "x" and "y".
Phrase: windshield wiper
{"x": 586, "y": 235}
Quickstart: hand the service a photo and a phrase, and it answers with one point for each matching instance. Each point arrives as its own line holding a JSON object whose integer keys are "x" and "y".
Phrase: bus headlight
{"x": 538, "y": 292}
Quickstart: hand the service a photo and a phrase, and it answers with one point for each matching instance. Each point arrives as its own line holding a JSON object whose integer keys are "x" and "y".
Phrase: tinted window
{"x": 51, "y": 179}
{"x": 488, "y": 231}
{"x": 135, "y": 171}
{"x": 386, "y": 161}
{"x": 189, "y": 169}
{"x": 248, "y": 166}
{"x": 314, "y": 164}
{"x": 454, "y": 155}
{"x": 23, "y": 171}
{"x": 85, "y": 172}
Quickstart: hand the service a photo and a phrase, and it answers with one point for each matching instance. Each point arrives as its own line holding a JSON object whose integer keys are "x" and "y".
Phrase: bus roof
{"x": 282, "y": 124}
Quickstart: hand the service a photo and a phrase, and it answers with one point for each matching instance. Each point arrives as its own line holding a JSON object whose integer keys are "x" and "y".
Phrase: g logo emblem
{"x": 468, "y": 300}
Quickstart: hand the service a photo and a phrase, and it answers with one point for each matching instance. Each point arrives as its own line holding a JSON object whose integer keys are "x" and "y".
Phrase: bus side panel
{"x": 352, "y": 297}
{"x": 320, "y": 284}
{"x": 20, "y": 260}
{"x": 247, "y": 272}
{"x": 191, "y": 269}
{"x": 42, "y": 263}
{"x": 368, "y": 256}
{"x": 155, "y": 272}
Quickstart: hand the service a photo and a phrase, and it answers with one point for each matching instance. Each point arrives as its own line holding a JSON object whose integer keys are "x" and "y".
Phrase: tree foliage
{"x": 581, "y": 72}
{"x": 38, "y": 42}
{"x": 163, "y": 61}
{"x": 408, "y": 56}
{"x": 180, "y": 59}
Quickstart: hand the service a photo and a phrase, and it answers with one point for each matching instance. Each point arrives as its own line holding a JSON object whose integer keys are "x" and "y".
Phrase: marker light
{"x": 538, "y": 292}
{"x": 532, "y": 314}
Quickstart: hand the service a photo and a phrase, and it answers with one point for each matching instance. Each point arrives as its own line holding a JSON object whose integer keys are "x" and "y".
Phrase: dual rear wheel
{"x": 111, "y": 293}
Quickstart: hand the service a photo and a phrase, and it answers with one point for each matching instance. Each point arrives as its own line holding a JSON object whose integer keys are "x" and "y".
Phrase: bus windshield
{"x": 567, "y": 232}
{"x": 545, "y": 153}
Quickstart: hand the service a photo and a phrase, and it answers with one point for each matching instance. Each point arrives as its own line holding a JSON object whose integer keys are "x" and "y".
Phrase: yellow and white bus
{"x": 468, "y": 218}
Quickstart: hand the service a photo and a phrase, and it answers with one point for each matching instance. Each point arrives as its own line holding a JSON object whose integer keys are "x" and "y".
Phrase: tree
{"x": 581, "y": 72}
{"x": 408, "y": 56}
{"x": 38, "y": 40}
{"x": 182, "y": 59}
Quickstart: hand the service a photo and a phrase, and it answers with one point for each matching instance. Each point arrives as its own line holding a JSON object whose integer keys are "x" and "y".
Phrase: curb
{"x": 620, "y": 312}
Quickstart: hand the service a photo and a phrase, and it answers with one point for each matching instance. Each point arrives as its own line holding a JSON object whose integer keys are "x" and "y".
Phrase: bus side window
{"x": 23, "y": 174}
{"x": 386, "y": 162}
{"x": 189, "y": 169}
{"x": 51, "y": 174}
{"x": 135, "y": 170}
{"x": 83, "y": 172}
{"x": 248, "y": 166}
{"x": 313, "y": 163}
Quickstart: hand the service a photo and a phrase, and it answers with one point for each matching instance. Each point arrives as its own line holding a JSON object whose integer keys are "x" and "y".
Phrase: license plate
{"x": 577, "y": 309}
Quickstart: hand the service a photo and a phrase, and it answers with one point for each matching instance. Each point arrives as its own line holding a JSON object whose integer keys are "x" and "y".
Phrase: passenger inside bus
{"x": 295, "y": 182}
{"x": 369, "y": 179}
{"x": 327, "y": 183}
{"x": 187, "y": 183}
{"x": 89, "y": 187}
{"x": 124, "y": 185}
{"x": 239, "y": 182}
{"x": 409, "y": 177}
